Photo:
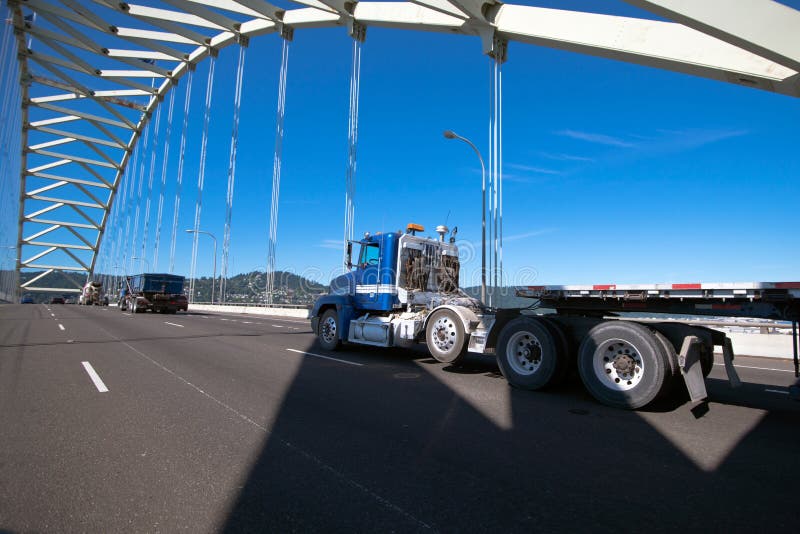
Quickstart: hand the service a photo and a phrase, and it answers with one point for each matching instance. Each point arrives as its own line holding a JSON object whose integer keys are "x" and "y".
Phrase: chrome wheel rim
{"x": 444, "y": 334}
{"x": 618, "y": 365}
{"x": 328, "y": 331}
{"x": 524, "y": 353}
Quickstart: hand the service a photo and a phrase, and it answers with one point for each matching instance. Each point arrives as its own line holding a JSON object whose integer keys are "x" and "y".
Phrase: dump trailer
{"x": 403, "y": 290}
{"x": 91, "y": 294}
{"x": 160, "y": 293}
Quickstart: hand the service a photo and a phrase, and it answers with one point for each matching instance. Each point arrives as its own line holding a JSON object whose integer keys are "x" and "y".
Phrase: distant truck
{"x": 160, "y": 293}
{"x": 92, "y": 293}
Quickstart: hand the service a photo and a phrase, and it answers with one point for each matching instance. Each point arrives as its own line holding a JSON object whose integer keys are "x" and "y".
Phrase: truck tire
{"x": 673, "y": 374}
{"x": 564, "y": 351}
{"x": 445, "y": 337}
{"x": 329, "y": 330}
{"x": 135, "y": 306}
{"x": 623, "y": 364}
{"x": 528, "y": 355}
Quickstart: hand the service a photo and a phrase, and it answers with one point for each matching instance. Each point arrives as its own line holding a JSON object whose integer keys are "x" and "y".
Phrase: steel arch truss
{"x": 99, "y": 69}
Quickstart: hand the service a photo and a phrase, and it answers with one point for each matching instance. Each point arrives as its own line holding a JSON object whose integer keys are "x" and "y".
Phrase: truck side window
{"x": 370, "y": 255}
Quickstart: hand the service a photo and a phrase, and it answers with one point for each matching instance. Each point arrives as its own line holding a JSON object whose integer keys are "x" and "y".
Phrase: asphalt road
{"x": 218, "y": 423}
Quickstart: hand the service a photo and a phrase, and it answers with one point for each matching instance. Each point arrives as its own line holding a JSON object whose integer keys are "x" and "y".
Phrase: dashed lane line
{"x": 173, "y": 324}
{"x": 325, "y": 357}
{"x": 758, "y": 368}
{"x": 61, "y": 326}
{"x": 98, "y": 383}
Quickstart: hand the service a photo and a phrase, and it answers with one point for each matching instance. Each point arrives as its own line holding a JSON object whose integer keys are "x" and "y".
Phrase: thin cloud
{"x": 600, "y": 139}
{"x": 526, "y": 235}
{"x": 564, "y": 157}
{"x": 331, "y": 243}
{"x": 530, "y": 168}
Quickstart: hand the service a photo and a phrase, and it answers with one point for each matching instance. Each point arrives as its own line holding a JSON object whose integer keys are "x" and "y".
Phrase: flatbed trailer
{"x": 583, "y": 311}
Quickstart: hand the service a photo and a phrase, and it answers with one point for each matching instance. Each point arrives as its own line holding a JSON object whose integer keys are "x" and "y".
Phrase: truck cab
{"x": 399, "y": 284}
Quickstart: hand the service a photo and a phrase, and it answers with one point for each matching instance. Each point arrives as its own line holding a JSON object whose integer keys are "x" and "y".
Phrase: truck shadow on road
{"x": 369, "y": 448}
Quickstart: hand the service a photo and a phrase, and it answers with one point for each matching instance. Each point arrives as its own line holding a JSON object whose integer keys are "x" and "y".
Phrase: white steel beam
{"x": 406, "y": 15}
{"x": 103, "y": 185}
{"x": 763, "y": 27}
{"x": 664, "y": 45}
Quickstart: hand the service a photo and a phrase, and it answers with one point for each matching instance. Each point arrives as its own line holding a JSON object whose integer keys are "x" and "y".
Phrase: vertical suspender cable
{"x": 226, "y": 240}
{"x": 276, "y": 175}
{"x": 142, "y": 157}
{"x": 150, "y": 184}
{"x": 198, "y": 207}
{"x": 500, "y": 169}
{"x": 496, "y": 177}
{"x": 162, "y": 191}
{"x": 352, "y": 137}
{"x": 131, "y": 183}
{"x": 181, "y": 158}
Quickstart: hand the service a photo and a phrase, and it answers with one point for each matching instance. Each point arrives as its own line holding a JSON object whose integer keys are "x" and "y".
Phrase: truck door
{"x": 366, "y": 276}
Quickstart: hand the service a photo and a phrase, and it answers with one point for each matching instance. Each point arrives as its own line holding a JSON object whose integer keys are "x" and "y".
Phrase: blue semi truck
{"x": 158, "y": 292}
{"x": 403, "y": 289}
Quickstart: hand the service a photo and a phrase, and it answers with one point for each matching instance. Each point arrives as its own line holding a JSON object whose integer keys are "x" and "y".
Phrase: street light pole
{"x": 214, "y": 279}
{"x": 449, "y": 134}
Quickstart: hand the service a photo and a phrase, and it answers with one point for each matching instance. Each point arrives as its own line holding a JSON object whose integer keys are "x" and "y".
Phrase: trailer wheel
{"x": 135, "y": 306}
{"x": 673, "y": 371}
{"x": 528, "y": 354}
{"x": 622, "y": 364}
{"x": 329, "y": 330}
{"x": 445, "y": 337}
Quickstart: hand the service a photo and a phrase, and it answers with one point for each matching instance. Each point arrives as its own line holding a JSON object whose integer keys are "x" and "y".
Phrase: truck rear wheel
{"x": 623, "y": 364}
{"x": 445, "y": 337}
{"x": 329, "y": 330}
{"x": 528, "y": 355}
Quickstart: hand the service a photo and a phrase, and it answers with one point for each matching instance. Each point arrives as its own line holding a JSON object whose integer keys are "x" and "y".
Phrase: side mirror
{"x": 349, "y": 255}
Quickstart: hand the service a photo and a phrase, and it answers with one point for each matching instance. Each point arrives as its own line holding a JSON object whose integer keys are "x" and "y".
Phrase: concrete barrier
{"x": 255, "y": 310}
{"x": 765, "y": 345}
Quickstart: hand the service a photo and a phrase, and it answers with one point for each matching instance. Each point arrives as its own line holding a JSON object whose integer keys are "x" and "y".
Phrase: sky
{"x": 613, "y": 173}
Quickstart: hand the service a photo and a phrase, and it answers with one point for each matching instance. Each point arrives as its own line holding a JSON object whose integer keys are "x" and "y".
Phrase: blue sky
{"x": 614, "y": 173}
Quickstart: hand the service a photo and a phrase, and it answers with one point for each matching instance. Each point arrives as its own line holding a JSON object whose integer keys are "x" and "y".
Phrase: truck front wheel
{"x": 329, "y": 330}
{"x": 445, "y": 337}
{"x": 527, "y": 354}
{"x": 623, "y": 364}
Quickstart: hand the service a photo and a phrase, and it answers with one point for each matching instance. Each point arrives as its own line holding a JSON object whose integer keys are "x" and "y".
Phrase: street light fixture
{"x": 449, "y": 134}
{"x": 214, "y": 279}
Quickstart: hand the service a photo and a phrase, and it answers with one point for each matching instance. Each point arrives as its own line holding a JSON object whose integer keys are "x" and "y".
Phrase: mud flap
{"x": 691, "y": 368}
{"x": 727, "y": 357}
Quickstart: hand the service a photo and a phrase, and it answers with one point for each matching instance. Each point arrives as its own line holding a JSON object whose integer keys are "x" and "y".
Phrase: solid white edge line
{"x": 759, "y": 368}
{"x": 325, "y": 357}
{"x": 173, "y": 324}
{"x": 777, "y": 391}
{"x": 98, "y": 383}
{"x": 61, "y": 326}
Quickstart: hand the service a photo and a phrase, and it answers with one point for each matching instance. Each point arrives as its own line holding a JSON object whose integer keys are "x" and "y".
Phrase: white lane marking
{"x": 173, "y": 324}
{"x": 276, "y": 326}
{"x": 246, "y": 322}
{"x": 95, "y": 377}
{"x": 61, "y": 326}
{"x": 294, "y": 328}
{"x": 224, "y": 319}
{"x": 52, "y": 315}
{"x": 325, "y": 357}
{"x": 777, "y": 391}
{"x": 759, "y": 368}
